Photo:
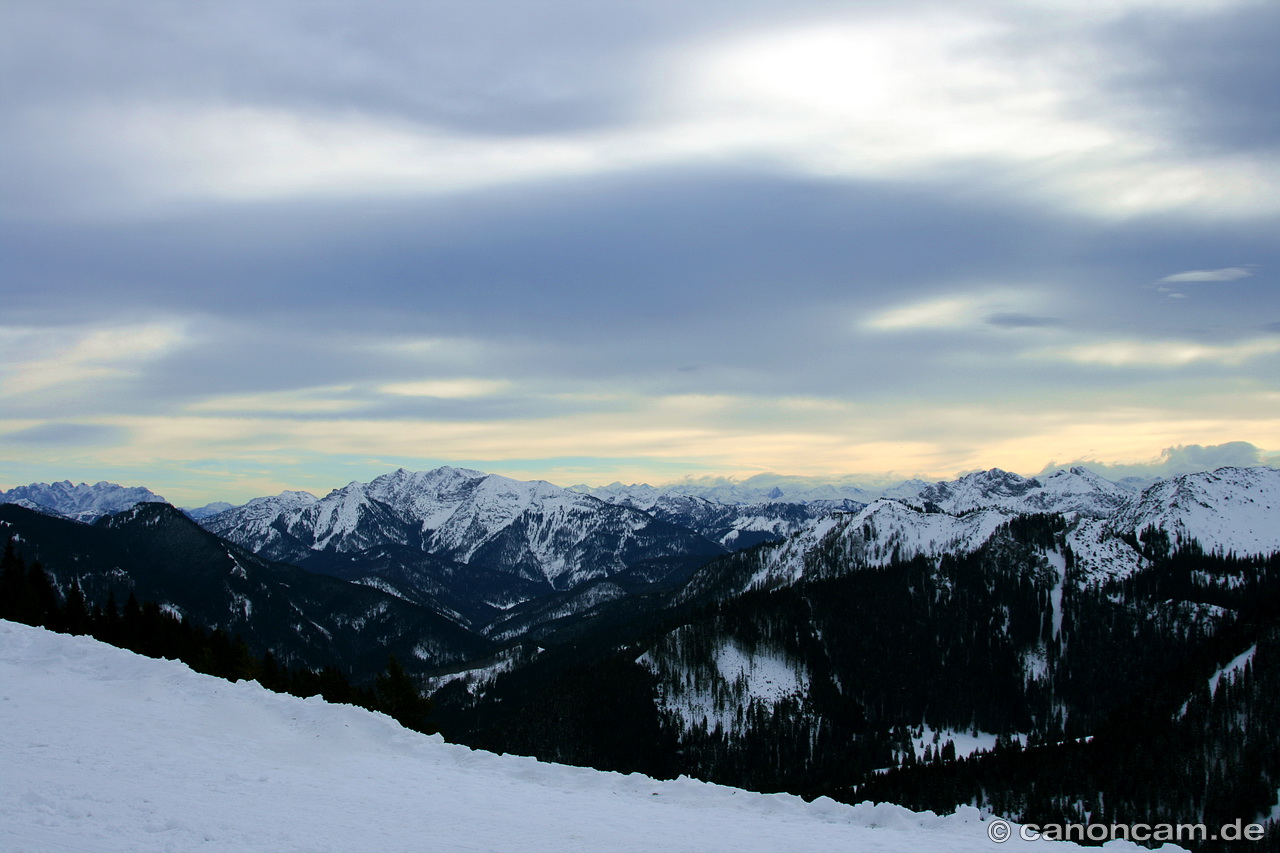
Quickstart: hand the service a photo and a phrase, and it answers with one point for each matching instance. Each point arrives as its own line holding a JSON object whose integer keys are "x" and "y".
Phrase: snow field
{"x": 104, "y": 750}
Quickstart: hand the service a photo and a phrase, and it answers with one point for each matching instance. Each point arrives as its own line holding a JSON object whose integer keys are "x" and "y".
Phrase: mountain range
{"x": 495, "y": 553}
{"x": 81, "y": 502}
{"x": 534, "y": 530}
{"x": 500, "y": 556}
{"x": 832, "y": 646}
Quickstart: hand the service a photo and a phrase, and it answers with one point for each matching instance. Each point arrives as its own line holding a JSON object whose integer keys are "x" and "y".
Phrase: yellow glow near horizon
{"x": 711, "y": 435}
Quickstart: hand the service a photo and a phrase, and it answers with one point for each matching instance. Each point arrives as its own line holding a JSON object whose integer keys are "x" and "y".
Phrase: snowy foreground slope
{"x": 104, "y": 750}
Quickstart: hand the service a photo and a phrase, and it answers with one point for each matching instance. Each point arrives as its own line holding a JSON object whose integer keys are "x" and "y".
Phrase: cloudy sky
{"x": 257, "y": 244}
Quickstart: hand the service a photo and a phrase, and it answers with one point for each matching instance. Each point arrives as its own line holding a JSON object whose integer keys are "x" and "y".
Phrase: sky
{"x": 250, "y": 245}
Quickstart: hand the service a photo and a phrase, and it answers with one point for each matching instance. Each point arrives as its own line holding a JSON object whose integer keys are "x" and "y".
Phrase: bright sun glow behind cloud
{"x": 875, "y": 98}
{"x": 869, "y": 96}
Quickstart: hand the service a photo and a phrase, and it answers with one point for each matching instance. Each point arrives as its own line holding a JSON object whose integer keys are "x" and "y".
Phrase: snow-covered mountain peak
{"x": 341, "y": 512}
{"x": 1230, "y": 510}
{"x": 210, "y": 509}
{"x": 638, "y": 495}
{"x": 884, "y": 531}
{"x": 82, "y": 502}
{"x": 534, "y": 529}
{"x": 994, "y": 487}
{"x": 274, "y": 504}
{"x": 1075, "y": 490}
{"x": 26, "y": 503}
{"x": 436, "y": 480}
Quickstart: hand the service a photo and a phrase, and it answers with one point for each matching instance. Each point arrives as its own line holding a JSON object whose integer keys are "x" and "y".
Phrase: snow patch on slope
{"x": 719, "y": 690}
{"x": 1236, "y": 665}
{"x": 765, "y": 676}
{"x": 881, "y": 533}
{"x": 1099, "y": 555}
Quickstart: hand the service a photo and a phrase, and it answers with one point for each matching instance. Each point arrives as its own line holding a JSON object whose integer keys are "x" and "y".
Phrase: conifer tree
{"x": 43, "y": 601}
{"x": 75, "y": 613}
{"x": 398, "y": 697}
{"x": 13, "y": 584}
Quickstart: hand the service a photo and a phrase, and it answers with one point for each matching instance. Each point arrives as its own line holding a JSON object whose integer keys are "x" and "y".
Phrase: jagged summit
{"x": 533, "y": 529}
{"x": 1075, "y": 489}
{"x": 81, "y": 502}
{"x": 994, "y": 487}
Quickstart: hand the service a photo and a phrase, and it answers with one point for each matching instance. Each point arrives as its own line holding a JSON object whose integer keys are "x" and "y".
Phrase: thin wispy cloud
{"x": 47, "y": 359}
{"x": 971, "y": 310}
{"x": 1224, "y": 274}
{"x": 446, "y": 388}
{"x": 947, "y": 312}
{"x": 302, "y": 401}
{"x": 1162, "y": 354}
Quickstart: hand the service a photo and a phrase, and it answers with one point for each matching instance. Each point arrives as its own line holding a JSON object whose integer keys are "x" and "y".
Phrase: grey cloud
{"x": 486, "y": 66}
{"x": 60, "y": 434}
{"x": 1021, "y": 321}
{"x": 1181, "y": 459}
{"x": 1195, "y": 457}
{"x": 760, "y": 281}
{"x": 1212, "y": 75}
{"x": 439, "y": 63}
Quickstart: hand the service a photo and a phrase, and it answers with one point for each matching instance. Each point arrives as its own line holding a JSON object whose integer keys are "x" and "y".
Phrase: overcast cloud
{"x": 257, "y": 245}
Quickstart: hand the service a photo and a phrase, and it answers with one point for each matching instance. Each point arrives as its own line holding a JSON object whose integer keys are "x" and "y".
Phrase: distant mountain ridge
{"x": 752, "y": 496}
{"x": 533, "y": 530}
{"x": 758, "y": 489}
{"x": 484, "y": 548}
{"x": 737, "y": 525}
{"x": 1231, "y": 510}
{"x": 81, "y": 502}
{"x": 1071, "y": 490}
{"x": 1075, "y": 489}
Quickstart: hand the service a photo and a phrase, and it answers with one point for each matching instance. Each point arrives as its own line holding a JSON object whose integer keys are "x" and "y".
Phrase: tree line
{"x": 29, "y": 595}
